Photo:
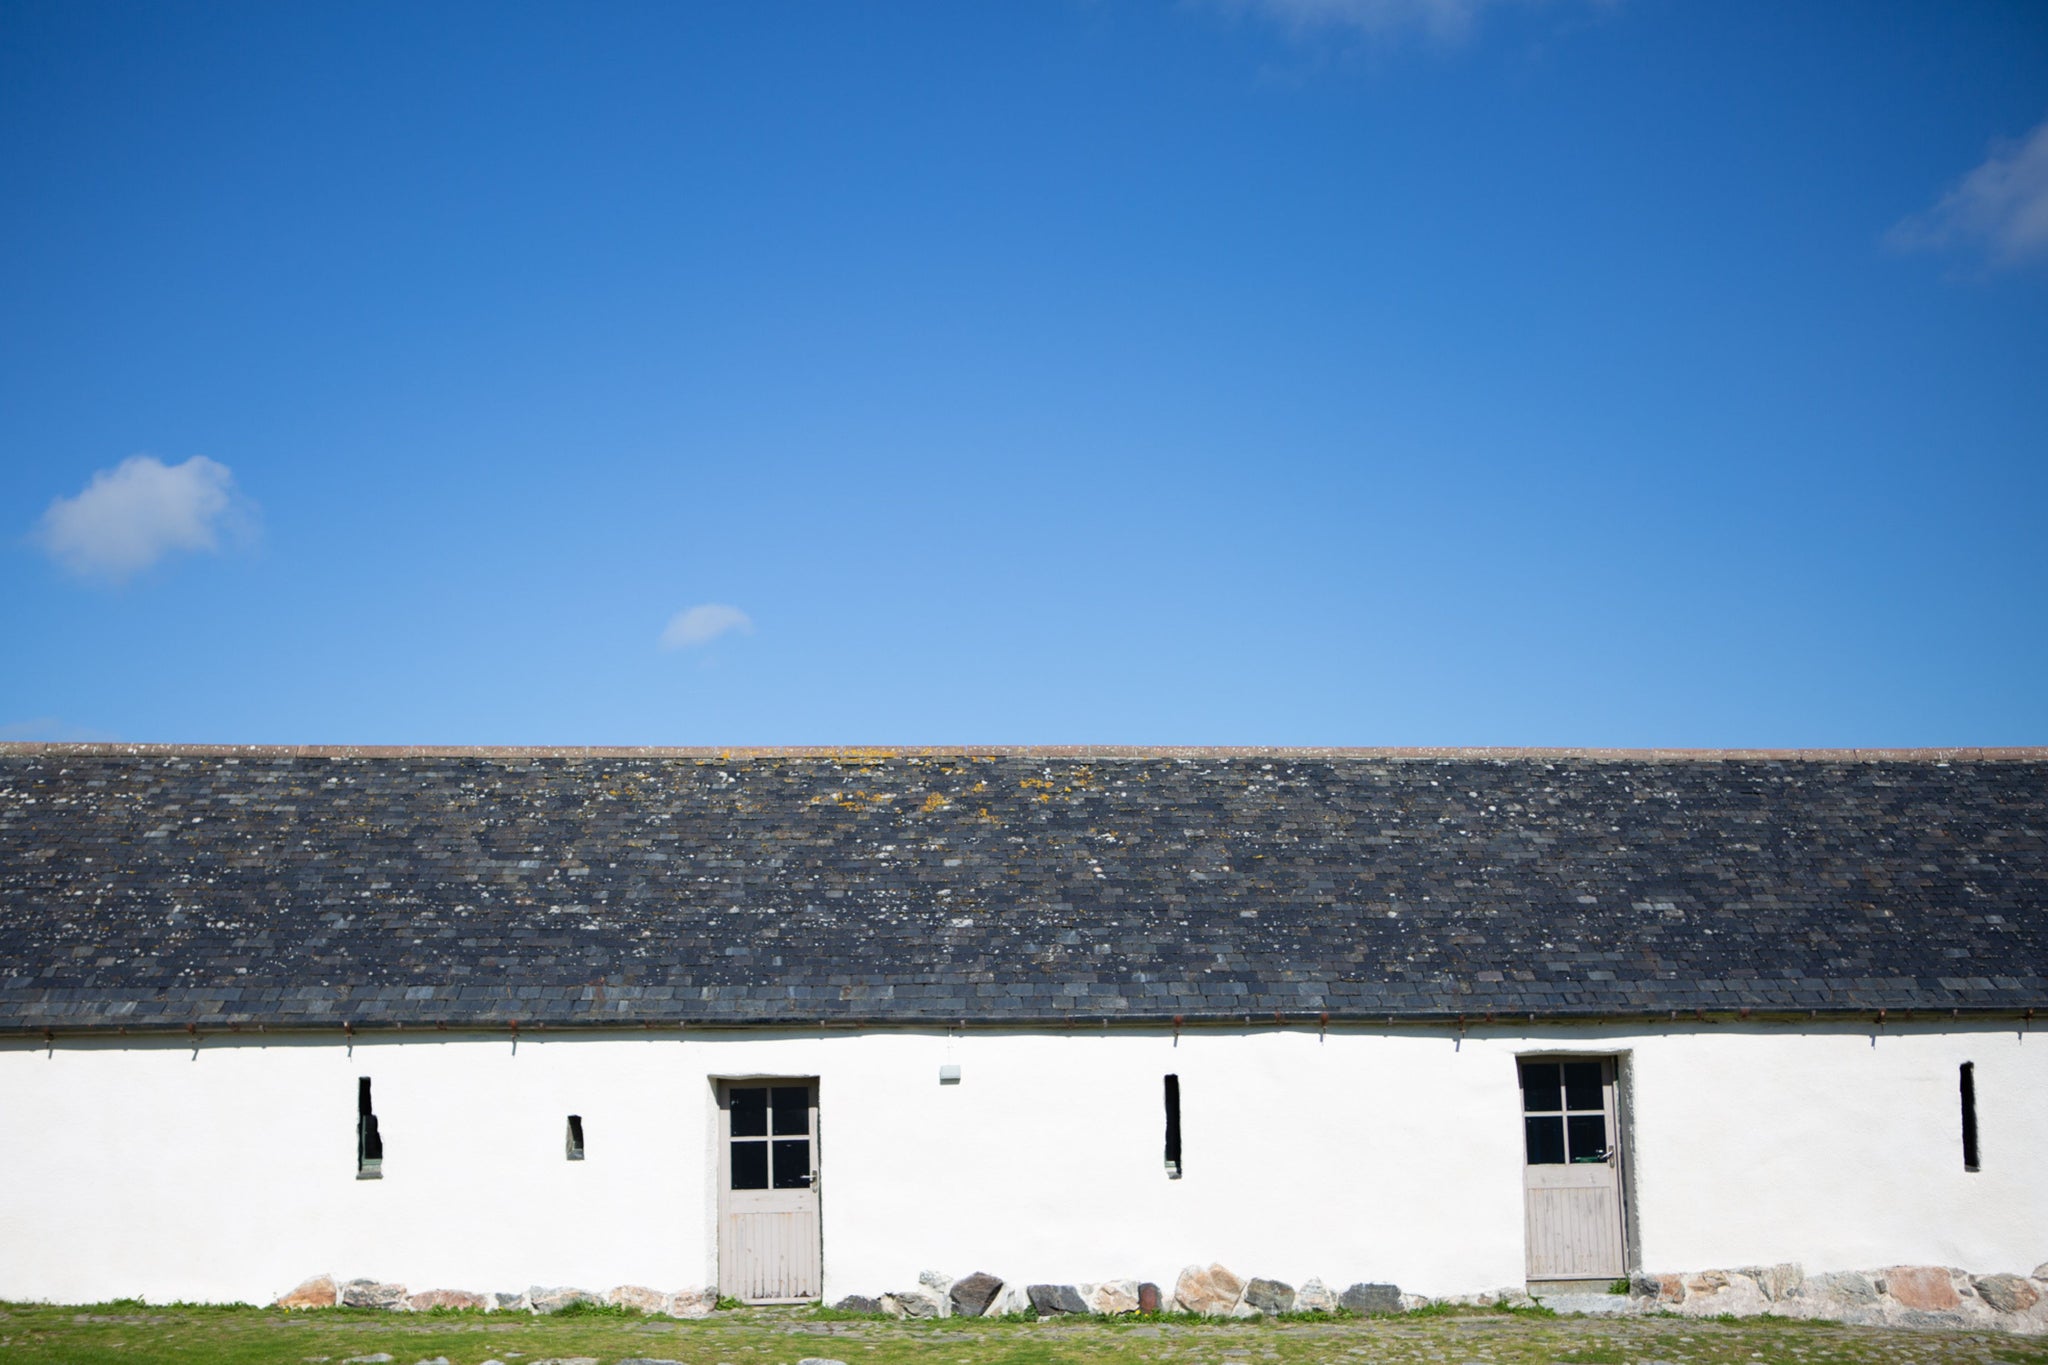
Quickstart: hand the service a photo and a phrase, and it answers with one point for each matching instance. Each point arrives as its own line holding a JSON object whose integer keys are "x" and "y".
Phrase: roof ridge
{"x": 1988, "y": 754}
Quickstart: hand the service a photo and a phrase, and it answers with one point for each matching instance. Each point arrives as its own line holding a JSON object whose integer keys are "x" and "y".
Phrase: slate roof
{"x": 160, "y": 887}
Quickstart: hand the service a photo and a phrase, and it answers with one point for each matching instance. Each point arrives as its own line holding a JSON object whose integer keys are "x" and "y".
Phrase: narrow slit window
{"x": 575, "y": 1137}
{"x": 369, "y": 1142}
{"x": 1173, "y": 1127}
{"x": 1969, "y": 1085}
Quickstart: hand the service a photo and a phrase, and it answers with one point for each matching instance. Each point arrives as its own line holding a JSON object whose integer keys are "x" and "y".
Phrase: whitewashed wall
{"x": 226, "y": 1172}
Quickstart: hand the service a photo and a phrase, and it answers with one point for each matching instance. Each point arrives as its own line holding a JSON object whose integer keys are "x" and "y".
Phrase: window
{"x": 771, "y": 1137}
{"x": 369, "y": 1143}
{"x": 1564, "y": 1113}
{"x": 1969, "y": 1086}
{"x": 1173, "y": 1127}
{"x": 575, "y": 1137}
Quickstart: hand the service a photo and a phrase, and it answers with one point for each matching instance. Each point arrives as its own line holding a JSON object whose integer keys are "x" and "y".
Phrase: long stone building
{"x": 794, "y": 1024}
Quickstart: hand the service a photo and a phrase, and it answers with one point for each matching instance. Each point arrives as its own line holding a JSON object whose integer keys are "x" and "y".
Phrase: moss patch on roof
{"x": 160, "y": 887}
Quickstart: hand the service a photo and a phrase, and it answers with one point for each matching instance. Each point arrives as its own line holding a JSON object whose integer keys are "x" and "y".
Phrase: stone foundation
{"x": 1212, "y": 1291}
{"x": 1899, "y": 1296}
{"x": 1896, "y": 1296}
{"x": 325, "y": 1291}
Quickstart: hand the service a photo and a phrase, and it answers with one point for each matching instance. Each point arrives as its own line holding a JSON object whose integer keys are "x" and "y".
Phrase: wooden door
{"x": 1571, "y": 1177}
{"x": 769, "y": 1249}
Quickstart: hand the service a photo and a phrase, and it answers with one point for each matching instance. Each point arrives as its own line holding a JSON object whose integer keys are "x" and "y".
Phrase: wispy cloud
{"x": 700, "y": 625}
{"x": 1446, "y": 21}
{"x": 1999, "y": 209}
{"x": 51, "y": 728}
{"x": 136, "y": 513}
{"x": 1443, "y": 19}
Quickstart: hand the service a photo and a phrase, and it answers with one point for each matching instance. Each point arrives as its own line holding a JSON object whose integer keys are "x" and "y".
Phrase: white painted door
{"x": 1571, "y": 1178}
{"x": 769, "y": 1250}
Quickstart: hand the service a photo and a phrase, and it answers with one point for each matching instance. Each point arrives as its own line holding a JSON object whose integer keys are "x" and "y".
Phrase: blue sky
{"x": 1269, "y": 372}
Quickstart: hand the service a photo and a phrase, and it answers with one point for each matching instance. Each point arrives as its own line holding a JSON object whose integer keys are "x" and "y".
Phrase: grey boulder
{"x": 1050, "y": 1299}
{"x": 913, "y": 1303}
{"x": 371, "y": 1294}
{"x": 972, "y": 1296}
{"x": 1777, "y": 1281}
{"x": 1372, "y": 1298}
{"x": 2007, "y": 1293}
{"x": 555, "y": 1300}
{"x": 1847, "y": 1285}
{"x": 1270, "y": 1296}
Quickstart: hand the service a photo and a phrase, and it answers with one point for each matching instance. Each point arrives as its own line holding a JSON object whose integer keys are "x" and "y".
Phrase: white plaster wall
{"x": 1839, "y": 1149}
{"x": 227, "y": 1171}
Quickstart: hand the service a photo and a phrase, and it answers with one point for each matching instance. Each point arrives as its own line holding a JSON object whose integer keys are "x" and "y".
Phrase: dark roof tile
{"x": 444, "y": 887}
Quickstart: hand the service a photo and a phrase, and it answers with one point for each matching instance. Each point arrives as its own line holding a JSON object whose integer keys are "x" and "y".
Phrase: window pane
{"x": 1582, "y": 1085}
{"x": 1546, "y": 1141}
{"x": 1588, "y": 1133}
{"x": 1539, "y": 1087}
{"x": 792, "y": 1164}
{"x": 750, "y": 1112}
{"x": 792, "y": 1106}
{"x": 750, "y": 1165}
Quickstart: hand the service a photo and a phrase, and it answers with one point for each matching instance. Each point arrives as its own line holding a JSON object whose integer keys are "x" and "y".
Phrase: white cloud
{"x": 700, "y": 625}
{"x": 2000, "y": 208}
{"x": 134, "y": 514}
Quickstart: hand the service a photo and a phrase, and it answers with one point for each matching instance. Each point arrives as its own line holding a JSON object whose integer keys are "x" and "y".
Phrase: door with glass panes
{"x": 768, "y": 1231}
{"x": 1571, "y": 1174}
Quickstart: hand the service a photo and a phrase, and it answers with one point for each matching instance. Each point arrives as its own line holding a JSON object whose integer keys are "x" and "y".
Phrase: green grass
{"x": 582, "y": 1308}
{"x": 129, "y": 1332}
